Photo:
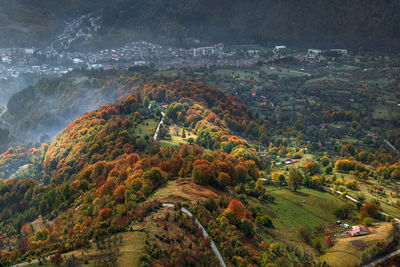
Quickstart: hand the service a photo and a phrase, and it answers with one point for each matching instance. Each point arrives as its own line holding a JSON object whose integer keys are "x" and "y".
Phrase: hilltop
{"x": 102, "y": 173}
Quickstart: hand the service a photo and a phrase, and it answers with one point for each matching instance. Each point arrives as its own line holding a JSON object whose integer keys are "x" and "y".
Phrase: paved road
{"x": 371, "y": 264}
{"x": 158, "y": 127}
{"x": 391, "y": 146}
{"x": 205, "y": 234}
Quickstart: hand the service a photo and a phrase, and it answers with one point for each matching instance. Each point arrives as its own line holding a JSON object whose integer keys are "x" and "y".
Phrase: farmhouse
{"x": 279, "y": 48}
{"x": 358, "y": 230}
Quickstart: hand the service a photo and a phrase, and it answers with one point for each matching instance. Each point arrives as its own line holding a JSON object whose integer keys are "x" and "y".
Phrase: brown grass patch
{"x": 185, "y": 190}
{"x": 347, "y": 250}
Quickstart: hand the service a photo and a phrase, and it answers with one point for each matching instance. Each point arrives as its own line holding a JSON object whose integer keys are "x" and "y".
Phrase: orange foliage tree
{"x": 370, "y": 210}
{"x": 236, "y": 211}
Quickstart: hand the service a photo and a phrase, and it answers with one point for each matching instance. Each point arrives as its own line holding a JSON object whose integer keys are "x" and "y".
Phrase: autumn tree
{"x": 236, "y": 211}
{"x": 348, "y": 150}
{"x": 370, "y": 210}
{"x": 282, "y": 180}
{"x": 395, "y": 174}
{"x": 305, "y": 234}
{"x": 119, "y": 193}
{"x": 324, "y": 161}
{"x": 203, "y": 172}
{"x": 224, "y": 180}
{"x": 154, "y": 175}
{"x": 311, "y": 168}
{"x": 104, "y": 214}
{"x": 328, "y": 241}
{"x": 295, "y": 179}
{"x": 345, "y": 210}
{"x": 259, "y": 188}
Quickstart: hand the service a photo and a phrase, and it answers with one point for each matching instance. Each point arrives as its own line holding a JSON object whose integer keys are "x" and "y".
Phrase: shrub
{"x": 344, "y": 211}
{"x": 263, "y": 221}
{"x": 367, "y": 221}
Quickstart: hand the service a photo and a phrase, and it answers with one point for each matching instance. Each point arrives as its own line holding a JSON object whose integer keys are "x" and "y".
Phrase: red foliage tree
{"x": 236, "y": 211}
{"x": 119, "y": 193}
{"x": 328, "y": 241}
{"x": 104, "y": 214}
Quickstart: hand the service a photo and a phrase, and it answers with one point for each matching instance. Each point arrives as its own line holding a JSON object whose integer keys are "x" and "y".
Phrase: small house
{"x": 314, "y": 52}
{"x": 279, "y": 48}
{"x": 358, "y": 230}
{"x": 340, "y": 51}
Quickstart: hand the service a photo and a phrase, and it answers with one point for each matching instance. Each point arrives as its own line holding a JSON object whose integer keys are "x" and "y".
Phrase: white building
{"x": 340, "y": 51}
{"x": 29, "y": 51}
{"x": 204, "y": 51}
{"x": 314, "y": 52}
{"x": 279, "y": 48}
{"x": 77, "y": 61}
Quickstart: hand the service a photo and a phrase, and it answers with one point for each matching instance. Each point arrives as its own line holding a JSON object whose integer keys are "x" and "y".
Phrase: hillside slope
{"x": 97, "y": 176}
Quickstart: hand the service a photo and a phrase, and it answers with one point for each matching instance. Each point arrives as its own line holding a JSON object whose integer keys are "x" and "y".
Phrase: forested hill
{"x": 356, "y": 24}
{"x": 353, "y": 24}
{"x": 26, "y": 23}
{"x": 359, "y": 24}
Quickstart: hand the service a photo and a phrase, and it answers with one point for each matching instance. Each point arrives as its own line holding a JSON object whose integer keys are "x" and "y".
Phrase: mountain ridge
{"x": 356, "y": 24}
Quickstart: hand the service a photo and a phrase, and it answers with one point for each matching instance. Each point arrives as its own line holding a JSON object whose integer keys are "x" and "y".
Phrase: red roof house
{"x": 358, "y": 230}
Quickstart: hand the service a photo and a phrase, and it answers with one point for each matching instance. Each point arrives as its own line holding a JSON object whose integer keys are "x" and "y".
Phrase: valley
{"x": 121, "y": 146}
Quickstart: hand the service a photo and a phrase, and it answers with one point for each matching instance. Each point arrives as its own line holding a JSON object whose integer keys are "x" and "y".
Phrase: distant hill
{"x": 360, "y": 24}
{"x": 354, "y": 24}
{"x": 48, "y": 106}
{"x": 36, "y": 22}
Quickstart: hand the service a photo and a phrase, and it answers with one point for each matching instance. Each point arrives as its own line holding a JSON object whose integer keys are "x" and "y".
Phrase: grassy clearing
{"x": 292, "y": 210}
{"x": 349, "y": 249}
{"x": 385, "y": 113}
{"x": 146, "y": 127}
{"x": 176, "y": 136}
{"x": 185, "y": 190}
{"x": 129, "y": 251}
{"x": 346, "y": 67}
{"x": 302, "y": 208}
{"x": 131, "y": 247}
{"x": 238, "y": 74}
{"x": 284, "y": 73}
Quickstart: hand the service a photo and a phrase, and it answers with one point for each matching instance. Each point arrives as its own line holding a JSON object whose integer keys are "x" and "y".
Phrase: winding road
{"x": 375, "y": 262}
{"x": 205, "y": 234}
{"x": 158, "y": 127}
{"x": 391, "y": 146}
